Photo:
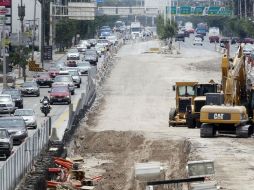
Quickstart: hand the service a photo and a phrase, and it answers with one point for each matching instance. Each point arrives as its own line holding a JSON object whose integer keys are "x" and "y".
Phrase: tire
{"x": 190, "y": 122}
{"x": 38, "y": 94}
{"x": 51, "y": 102}
{"x": 22, "y": 106}
{"x": 207, "y": 130}
{"x": 72, "y": 92}
{"x": 35, "y": 127}
{"x": 78, "y": 85}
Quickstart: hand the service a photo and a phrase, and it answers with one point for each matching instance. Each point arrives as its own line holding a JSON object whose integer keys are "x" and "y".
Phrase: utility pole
{"x": 245, "y": 9}
{"x": 3, "y": 53}
{"x": 42, "y": 30}
{"x": 240, "y": 7}
{"x": 33, "y": 35}
{"x": 21, "y": 14}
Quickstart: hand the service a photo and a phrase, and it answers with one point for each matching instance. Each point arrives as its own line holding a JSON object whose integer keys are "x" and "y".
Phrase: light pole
{"x": 3, "y": 53}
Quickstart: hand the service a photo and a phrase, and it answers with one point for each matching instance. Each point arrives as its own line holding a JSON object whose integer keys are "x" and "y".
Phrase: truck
{"x": 214, "y": 34}
{"x": 136, "y": 30}
{"x": 202, "y": 28}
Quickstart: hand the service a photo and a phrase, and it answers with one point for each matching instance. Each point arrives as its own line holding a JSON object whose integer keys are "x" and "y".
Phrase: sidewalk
{"x": 56, "y": 57}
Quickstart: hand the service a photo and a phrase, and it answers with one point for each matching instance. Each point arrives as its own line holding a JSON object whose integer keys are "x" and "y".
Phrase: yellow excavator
{"x": 227, "y": 112}
{"x": 190, "y": 97}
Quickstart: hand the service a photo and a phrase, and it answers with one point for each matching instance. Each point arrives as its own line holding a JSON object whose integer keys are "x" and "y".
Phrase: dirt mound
{"x": 113, "y": 154}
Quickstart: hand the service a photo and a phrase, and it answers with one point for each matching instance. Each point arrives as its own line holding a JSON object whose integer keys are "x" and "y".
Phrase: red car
{"x": 248, "y": 41}
{"x": 43, "y": 79}
{"x": 60, "y": 94}
{"x": 53, "y": 72}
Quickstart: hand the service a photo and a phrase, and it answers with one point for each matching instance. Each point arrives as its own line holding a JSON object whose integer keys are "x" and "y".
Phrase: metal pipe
{"x": 172, "y": 181}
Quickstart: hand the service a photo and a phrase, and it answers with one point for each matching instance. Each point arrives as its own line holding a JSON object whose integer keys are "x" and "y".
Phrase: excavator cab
{"x": 184, "y": 97}
{"x": 193, "y": 111}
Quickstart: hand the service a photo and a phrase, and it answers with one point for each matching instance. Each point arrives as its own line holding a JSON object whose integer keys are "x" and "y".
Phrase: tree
{"x": 65, "y": 31}
{"x": 165, "y": 31}
{"x": 20, "y": 57}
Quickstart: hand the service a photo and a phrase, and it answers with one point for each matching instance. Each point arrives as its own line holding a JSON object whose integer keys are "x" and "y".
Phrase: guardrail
{"x": 22, "y": 160}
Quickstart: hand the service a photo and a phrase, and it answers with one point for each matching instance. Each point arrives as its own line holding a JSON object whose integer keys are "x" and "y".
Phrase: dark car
{"x": 180, "y": 37}
{"x": 53, "y": 72}
{"x": 60, "y": 94}
{"x": 6, "y": 143}
{"x": 30, "y": 88}
{"x": 16, "y": 127}
{"x": 235, "y": 40}
{"x": 213, "y": 39}
{"x": 223, "y": 42}
{"x": 15, "y": 95}
{"x": 43, "y": 79}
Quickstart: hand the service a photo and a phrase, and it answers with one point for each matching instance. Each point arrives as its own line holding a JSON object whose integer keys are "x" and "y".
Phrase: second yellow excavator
{"x": 229, "y": 112}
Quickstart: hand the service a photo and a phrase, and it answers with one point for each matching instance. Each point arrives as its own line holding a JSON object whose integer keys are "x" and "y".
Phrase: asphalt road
{"x": 56, "y": 111}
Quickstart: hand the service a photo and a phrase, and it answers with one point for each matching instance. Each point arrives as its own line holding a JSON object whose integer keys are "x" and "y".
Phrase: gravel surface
{"x": 129, "y": 122}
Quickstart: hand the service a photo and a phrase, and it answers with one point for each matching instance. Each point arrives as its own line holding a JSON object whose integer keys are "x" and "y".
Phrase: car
{"x": 29, "y": 117}
{"x": 248, "y": 41}
{"x": 65, "y": 80}
{"x": 235, "y": 40}
{"x": 30, "y": 88}
{"x": 223, "y": 42}
{"x": 60, "y": 94}
{"x": 180, "y": 37}
{"x": 16, "y": 127}
{"x": 200, "y": 36}
{"x": 43, "y": 79}
{"x": 112, "y": 39}
{"x": 6, "y": 104}
{"x": 73, "y": 55}
{"x": 84, "y": 67}
{"x": 104, "y": 42}
{"x": 82, "y": 47}
{"x": 92, "y": 42}
{"x": 197, "y": 41}
{"x": 15, "y": 95}
{"x": 53, "y": 72}
{"x": 6, "y": 143}
{"x": 76, "y": 77}
{"x": 91, "y": 56}
{"x": 247, "y": 49}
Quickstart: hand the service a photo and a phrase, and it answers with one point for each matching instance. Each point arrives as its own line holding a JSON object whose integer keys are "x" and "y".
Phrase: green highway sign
{"x": 198, "y": 10}
{"x": 185, "y": 10}
{"x": 213, "y": 10}
{"x": 173, "y": 10}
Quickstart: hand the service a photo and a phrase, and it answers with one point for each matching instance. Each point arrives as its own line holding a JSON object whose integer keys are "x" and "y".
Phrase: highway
{"x": 57, "y": 111}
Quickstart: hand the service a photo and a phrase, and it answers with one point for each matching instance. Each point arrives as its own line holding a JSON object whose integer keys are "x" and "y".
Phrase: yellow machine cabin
{"x": 185, "y": 94}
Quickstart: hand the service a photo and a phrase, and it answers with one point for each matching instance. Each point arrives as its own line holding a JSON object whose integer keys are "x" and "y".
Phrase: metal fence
{"x": 22, "y": 160}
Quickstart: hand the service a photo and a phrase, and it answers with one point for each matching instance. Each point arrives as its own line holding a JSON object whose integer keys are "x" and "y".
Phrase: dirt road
{"x": 131, "y": 122}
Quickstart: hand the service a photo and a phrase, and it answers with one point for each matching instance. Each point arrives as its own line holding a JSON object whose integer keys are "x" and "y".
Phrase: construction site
{"x": 149, "y": 125}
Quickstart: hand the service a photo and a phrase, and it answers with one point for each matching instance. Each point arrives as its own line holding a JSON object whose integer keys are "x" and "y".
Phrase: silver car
{"x": 6, "y": 104}
{"x": 29, "y": 117}
{"x": 16, "y": 127}
{"x": 76, "y": 78}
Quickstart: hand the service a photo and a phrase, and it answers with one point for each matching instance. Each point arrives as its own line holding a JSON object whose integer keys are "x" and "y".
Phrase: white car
{"x": 84, "y": 67}
{"x": 73, "y": 54}
{"x": 197, "y": 41}
{"x": 29, "y": 117}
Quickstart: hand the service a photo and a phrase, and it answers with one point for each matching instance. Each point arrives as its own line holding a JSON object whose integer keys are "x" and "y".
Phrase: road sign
{"x": 47, "y": 53}
{"x": 185, "y": 10}
{"x": 213, "y": 10}
{"x": 199, "y": 10}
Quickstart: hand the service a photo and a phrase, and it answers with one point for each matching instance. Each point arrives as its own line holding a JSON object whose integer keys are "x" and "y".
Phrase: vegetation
{"x": 165, "y": 31}
{"x": 19, "y": 56}
{"x": 86, "y": 29}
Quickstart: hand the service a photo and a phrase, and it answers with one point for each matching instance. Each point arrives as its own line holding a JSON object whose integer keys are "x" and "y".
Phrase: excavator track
{"x": 207, "y": 130}
{"x": 244, "y": 131}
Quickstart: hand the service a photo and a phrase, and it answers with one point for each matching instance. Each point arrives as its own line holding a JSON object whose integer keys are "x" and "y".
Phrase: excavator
{"x": 229, "y": 112}
{"x": 190, "y": 97}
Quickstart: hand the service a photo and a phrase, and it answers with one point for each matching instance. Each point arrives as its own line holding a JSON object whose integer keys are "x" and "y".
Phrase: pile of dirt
{"x": 113, "y": 155}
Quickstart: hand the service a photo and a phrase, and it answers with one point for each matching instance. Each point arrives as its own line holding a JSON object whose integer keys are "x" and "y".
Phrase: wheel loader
{"x": 185, "y": 95}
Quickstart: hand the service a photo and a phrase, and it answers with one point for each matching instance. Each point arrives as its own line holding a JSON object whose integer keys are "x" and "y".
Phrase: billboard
{"x": 6, "y": 3}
